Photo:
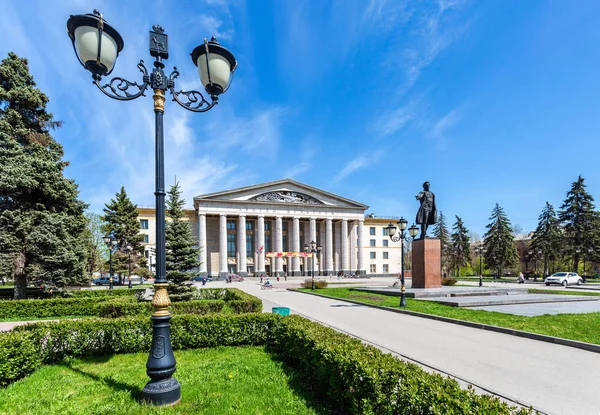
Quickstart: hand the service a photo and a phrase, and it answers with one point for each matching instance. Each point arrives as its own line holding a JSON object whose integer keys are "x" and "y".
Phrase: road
{"x": 553, "y": 379}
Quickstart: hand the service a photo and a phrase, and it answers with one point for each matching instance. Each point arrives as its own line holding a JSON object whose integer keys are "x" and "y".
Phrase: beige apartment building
{"x": 237, "y": 228}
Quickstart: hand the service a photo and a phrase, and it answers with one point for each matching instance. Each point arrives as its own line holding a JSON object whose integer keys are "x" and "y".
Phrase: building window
{"x": 146, "y": 240}
{"x": 386, "y": 255}
{"x": 143, "y": 223}
{"x": 284, "y": 243}
{"x": 386, "y": 268}
{"x": 231, "y": 245}
{"x": 373, "y": 268}
{"x": 385, "y": 231}
{"x": 249, "y": 246}
{"x": 372, "y": 230}
{"x": 267, "y": 226}
{"x": 231, "y": 224}
{"x": 249, "y": 225}
{"x": 371, "y": 242}
{"x": 385, "y": 242}
{"x": 268, "y": 243}
{"x": 373, "y": 256}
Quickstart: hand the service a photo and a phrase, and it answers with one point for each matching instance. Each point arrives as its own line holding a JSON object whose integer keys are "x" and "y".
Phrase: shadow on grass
{"x": 301, "y": 387}
{"x": 134, "y": 391}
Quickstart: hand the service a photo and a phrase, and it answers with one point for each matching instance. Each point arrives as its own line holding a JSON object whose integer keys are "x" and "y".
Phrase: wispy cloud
{"x": 214, "y": 27}
{"x": 362, "y": 161}
{"x": 393, "y": 121}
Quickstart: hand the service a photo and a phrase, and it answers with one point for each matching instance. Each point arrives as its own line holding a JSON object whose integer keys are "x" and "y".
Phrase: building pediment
{"x": 285, "y": 192}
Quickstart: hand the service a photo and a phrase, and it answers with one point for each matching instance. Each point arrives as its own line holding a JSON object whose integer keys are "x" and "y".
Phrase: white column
{"x": 296, "y": 246}
{"x": 261, "y": 243}
{"x": 241, "y": 266}
{"x": 202, "y": 242}
{"x": 344, "y": 242}
{"x": 329, "y": 246}
{"x": 353, "y": 253}
{"x": 337, "y": 249}
{"x": 278, "y": 245}
{"x": 223, "y": 244}
{"x": 321, "y": 257}
{"x": 361, "y": 247}
{"x": 312, "y": 236}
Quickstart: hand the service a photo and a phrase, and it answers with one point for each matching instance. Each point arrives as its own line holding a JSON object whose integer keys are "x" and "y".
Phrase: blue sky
{"x": 490, "y": 101}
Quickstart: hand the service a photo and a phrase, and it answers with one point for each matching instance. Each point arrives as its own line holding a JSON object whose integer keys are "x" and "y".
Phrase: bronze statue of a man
{"x": 427, "y": 214}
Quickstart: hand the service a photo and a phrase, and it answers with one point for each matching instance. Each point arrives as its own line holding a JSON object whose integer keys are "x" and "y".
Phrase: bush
{"x": 448, "y": 281}
{"x": 49, "y": 308}
{"x": 307, "y": 283}
{"x": 104, "y": 293}
{"x": 352, "y": 377}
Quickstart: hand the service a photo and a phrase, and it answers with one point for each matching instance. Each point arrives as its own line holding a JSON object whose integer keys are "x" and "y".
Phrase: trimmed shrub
{"x": 307, "y": 283}
{"x": 104, "y": 293}
{"x": 18, "y": 356}
{"x": 448, "y": 281}
{"x": 49, "y": 308}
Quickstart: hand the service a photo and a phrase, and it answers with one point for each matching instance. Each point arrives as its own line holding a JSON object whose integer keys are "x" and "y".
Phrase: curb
{"x": 595, "y": 348}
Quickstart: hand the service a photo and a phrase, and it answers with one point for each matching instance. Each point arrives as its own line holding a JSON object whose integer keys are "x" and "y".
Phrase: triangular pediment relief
{"x": 286, "y": 191}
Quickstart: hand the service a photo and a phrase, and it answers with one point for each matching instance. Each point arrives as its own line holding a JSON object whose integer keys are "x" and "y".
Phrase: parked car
{"x": 564, "y": 278}
{"x": 235, "y": 277}
{"x": 104, "y": 280}
{"x": 199, "y": 278}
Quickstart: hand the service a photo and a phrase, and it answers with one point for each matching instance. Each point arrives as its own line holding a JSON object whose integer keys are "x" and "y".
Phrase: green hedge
{"x": 208, "y": 301}
{"x": 49, "y": 308}
{"x": 104, "y": 293}
{"x": 360, "y": 379}
{"x": 344, "y": 373}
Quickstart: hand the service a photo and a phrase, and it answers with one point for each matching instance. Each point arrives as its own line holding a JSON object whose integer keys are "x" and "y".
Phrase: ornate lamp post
{"x": 413, "y": 230}
{"x": 480, "y": 250}
{"x": 314, "y": 249}
{"x": 111, "y": 242}
{"x": 97, "y": 45}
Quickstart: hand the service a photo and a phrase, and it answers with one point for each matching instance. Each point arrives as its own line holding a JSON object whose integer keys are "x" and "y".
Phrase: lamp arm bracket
{"x": 118, "y": 87}
{"x": 395, "y": 238}
{"x": 190, "y": 100}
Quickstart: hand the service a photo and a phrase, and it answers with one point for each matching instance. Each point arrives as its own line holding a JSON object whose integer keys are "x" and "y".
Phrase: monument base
{"x": 426, "y": 263}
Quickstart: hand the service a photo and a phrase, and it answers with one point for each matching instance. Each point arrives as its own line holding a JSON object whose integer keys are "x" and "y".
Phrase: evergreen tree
{"x": 547, "y": 237}
{"x": 440, "y": 231}
{"x": 41, "y": 217}
{"x": 181, "y": 255}
{"x": 461, "y": 248}
{"x": 578, "y": 218}
{"x": 499, "y": 243}
{"x": 121, "y": 217}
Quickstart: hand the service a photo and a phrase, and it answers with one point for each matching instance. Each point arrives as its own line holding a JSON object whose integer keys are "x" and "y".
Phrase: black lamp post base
{"x": 165, "y": 392}
{"x": 402, "y": 300}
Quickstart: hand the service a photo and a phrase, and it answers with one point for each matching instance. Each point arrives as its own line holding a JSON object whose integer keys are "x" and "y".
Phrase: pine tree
{"x": 578, "y": 218}
{"x": 440, "y": 231}
{"x": 499, "y": 243}
{"x": 461, "y": 248}
{"x": 41, "y": 217}
{"x": 181, "y": 256}
{"x": 121, "y": 217}
{"x": 547, "y": 237}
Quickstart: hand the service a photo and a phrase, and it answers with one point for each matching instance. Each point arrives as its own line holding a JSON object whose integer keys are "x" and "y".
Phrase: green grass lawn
{"x": 225, "y": 380}
{"x": 580, "y": 327}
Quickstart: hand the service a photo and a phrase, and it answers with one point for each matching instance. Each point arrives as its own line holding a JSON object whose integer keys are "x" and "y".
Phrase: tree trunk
{"x": 20, "y": 292}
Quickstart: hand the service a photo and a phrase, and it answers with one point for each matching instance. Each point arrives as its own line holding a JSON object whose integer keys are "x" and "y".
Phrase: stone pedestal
{"x": 426, "y": 263}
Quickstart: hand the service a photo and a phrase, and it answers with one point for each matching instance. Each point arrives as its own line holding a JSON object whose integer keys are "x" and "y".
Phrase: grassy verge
{"x": 224, "y": 380}
{"x": 580, "y": 327}
{"x": 569, "y": 292}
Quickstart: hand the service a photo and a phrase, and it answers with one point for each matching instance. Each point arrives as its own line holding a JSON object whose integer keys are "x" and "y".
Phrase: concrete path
{"x": 553, "y": 379}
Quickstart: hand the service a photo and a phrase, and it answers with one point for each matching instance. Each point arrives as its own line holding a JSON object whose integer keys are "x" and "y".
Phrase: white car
{"x": 564, "y": 278}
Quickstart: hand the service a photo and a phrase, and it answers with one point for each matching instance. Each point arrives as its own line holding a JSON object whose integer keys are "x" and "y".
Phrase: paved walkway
{"x": 553, "y": 379}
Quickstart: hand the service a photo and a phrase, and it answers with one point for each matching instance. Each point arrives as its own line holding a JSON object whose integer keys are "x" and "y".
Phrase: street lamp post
{"x": 314, "y": 249}
{"x": 480, "y": 250}
{"x": 111, "y": 242}
{"x": 128, "y": 249}
{"x": 97, "y": 45}
{"x": 413, "y": 230}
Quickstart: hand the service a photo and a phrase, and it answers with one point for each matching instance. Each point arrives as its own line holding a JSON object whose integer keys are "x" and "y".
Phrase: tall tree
{"x": 547, "y": 237}
{"x": 498, "y": 242}
{"x": 121, "y": 218}
{"x": 440, "y": 231}
{"x": 578, "y": 217}
{"x": 41, "y": 217}
{"x": 181, "y": 255}
{"x": 461, "y": 248}
{"x": 97, "y": 252}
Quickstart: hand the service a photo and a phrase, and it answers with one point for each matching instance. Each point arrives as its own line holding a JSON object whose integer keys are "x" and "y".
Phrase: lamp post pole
{"x": 97, "y": 45}
{"x": 413, "y": 230}
{"x": 128, "y": 249}
{"x": 111, "y": 242}
{"x": 480, "y": 251}
{"x": 314, "y": 250}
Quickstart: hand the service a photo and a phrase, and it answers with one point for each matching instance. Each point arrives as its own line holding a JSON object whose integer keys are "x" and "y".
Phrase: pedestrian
{"x": 261, "y": 278}
{"x": 277, "y": 277}
{"x": 204, "y": 280}
{"x": 521, "y": 278}
{"x": 129, "y": 284}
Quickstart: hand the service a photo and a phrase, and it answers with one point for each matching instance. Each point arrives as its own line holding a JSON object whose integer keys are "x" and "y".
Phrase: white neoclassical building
{"x": 236, "y": 229}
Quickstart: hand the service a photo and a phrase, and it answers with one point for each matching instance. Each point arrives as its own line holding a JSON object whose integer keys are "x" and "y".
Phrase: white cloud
{"x": 357, "y": 163}
{"x": 393, "y": 121}
{"x": 214, "y": 27}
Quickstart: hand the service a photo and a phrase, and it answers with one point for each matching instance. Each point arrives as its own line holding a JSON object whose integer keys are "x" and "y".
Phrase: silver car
{"x": 564, "y": 278}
